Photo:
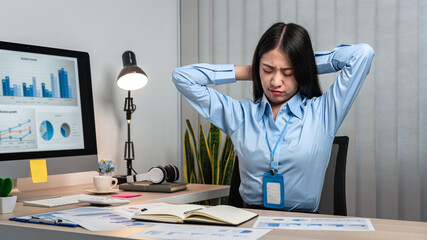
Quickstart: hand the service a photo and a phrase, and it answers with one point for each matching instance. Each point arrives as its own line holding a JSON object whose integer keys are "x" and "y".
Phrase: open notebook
{"x": 221, "y": 214}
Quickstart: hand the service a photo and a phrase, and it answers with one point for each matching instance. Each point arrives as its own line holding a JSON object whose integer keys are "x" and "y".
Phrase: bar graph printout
{"x": 107, "y": 219}
{"x": 101, "y": 219}
{"x": 197, "y": 232}
{"x": 338, "y": 224}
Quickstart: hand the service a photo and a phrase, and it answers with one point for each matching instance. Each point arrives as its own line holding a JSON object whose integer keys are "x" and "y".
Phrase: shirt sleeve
{"x": 221, "y": 110}
{"x": 353, "y": 62}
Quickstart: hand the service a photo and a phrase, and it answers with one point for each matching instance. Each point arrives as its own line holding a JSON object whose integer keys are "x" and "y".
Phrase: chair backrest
{"x": 333, "y": 200}
{"x": 234, "y": 198}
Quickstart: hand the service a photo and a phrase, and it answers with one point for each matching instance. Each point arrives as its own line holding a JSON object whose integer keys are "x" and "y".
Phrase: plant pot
{"x": 7, "y": 204}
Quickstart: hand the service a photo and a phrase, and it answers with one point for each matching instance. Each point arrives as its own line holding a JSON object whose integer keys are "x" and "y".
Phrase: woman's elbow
{"x": 176, "y": 75}
{"x": 366, "y": 50}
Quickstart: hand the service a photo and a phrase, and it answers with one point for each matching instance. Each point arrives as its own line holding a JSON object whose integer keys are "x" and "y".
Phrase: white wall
{"x": 105, "y": 29}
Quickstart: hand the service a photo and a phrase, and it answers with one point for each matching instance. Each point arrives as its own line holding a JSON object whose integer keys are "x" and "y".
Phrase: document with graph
{"x": 295, "y": 223}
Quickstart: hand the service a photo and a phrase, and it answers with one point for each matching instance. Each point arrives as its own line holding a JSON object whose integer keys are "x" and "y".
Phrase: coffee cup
{"x": 104, "y": 183}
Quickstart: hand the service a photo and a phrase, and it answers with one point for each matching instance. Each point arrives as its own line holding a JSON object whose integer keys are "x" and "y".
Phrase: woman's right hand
{"x": 243, "y": 72}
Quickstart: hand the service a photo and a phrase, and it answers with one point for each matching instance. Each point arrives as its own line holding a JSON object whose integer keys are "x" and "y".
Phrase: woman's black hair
{"x": 294, "y": 41}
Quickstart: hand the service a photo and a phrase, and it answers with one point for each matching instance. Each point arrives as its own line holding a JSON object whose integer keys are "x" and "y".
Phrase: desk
{"x": 385, "y": 229}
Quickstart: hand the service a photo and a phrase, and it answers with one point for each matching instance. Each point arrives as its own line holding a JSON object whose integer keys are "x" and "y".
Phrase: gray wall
{"x": 105, "y": 29}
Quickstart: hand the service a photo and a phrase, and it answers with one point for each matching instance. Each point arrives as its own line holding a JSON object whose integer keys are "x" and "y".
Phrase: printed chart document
{"x": 51, "y": 218}
{"x": 129, "y": 211}
{"x": 220, "y": 214}
{"x": 339, "y": 224}
{"x": 173, "y": 231}
{"x": 106, "y": 219}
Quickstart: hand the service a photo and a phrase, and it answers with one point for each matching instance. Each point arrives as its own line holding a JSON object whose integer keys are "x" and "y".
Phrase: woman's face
{"x": 277, "y": 77}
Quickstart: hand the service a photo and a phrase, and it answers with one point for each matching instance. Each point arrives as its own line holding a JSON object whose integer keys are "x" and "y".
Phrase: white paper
{"x": 273, "y": 193}
{"x": 107, "y": 219}
{"x": 130, "y": 211}
{"x": 180, "y": 231}
{"x": 339, "y": 224}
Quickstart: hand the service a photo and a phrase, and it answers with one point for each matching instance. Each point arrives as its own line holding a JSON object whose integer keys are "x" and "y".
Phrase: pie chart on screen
{"x": 65, "y": 130}
{"x": 46, "y": 130}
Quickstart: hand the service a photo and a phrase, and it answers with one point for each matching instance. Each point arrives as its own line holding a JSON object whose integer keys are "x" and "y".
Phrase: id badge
{"x": 273, "y": 190}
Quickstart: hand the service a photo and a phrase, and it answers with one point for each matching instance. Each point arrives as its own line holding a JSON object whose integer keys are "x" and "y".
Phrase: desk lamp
{"x": 130, "y": 78}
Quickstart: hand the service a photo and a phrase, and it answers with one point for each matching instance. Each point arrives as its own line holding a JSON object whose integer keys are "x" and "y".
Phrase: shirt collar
{"x": 263, "y": 103}
{"x": 294, "y": 105}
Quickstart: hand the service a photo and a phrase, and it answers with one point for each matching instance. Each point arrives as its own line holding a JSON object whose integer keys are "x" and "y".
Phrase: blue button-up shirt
{"x": 303, "y": 152}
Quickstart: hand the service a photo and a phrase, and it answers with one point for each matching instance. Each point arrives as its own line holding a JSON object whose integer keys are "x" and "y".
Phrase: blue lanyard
{"x": 277, "y": 143}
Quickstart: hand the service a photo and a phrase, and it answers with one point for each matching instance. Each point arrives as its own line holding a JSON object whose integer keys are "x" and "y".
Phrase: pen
{"x": 142, "y": 209}
{"x": 44, "y": 220}
{"x": 192, "y": 210}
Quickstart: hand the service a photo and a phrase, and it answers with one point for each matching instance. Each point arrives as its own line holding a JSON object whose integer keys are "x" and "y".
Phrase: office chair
{"x": 332, "y": 200}
{"x": 234, "y": 198}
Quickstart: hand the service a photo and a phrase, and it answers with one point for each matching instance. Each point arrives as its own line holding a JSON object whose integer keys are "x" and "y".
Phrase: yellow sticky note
{"x": 38, "y": 170}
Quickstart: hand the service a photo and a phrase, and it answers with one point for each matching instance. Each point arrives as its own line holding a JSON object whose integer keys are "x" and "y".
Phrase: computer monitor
{"x": 46, "y": 110}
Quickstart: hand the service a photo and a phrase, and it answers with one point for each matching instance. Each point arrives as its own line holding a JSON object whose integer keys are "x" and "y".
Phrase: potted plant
{"x": 106, "y": 167}
{"x": 7, "y": 201}
{"x": 205, "y": 163}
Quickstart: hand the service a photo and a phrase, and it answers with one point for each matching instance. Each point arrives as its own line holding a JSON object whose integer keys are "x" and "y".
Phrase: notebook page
{"x": 225, "y": 213}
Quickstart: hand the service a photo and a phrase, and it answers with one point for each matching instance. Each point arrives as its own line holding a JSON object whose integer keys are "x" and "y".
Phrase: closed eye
{"x": 288, "y": 72}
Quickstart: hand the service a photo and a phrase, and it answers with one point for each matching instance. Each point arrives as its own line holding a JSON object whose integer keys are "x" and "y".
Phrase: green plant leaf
{"x": 214, "y": 143}
{"x": 224, "y": 200}
{"x": 228, "y": 145}
{"x": 228, "y": 172}
{"x": 6, "y": 186}
{"x": 189, "y": 159}
{"x": 190, "y": 128}
{"x": 193, "y": 178}
{"x": 205, "y": 165}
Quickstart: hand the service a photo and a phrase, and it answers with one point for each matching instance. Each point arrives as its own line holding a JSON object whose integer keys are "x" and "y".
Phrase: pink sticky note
{"x": 126, "y": 195}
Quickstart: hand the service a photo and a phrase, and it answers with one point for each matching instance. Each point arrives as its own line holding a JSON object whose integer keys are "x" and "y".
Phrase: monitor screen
{"x": 46, "y": 110}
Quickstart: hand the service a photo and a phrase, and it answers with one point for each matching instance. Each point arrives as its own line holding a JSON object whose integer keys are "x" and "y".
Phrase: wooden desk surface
{"x": 194, "y": 192}
{"x": 384, "y": 229}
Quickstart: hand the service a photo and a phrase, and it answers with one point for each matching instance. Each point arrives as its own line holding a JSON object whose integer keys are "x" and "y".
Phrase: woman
{"x": 283, "y": 139}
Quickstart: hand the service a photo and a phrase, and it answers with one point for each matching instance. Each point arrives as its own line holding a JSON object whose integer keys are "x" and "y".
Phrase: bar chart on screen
{"x": 11, "y": 87}
{"x": 33, "y": 79}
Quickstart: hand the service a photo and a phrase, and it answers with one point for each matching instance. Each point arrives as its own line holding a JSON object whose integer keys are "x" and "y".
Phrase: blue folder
{"x": 49, "y": 216}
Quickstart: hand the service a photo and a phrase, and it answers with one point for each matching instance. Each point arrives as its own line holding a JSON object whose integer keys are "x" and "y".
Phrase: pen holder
{"x": 7, "y": 204}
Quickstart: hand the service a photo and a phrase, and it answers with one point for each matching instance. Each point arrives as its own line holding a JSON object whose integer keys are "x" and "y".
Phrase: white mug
{"x": 103, "y": 183}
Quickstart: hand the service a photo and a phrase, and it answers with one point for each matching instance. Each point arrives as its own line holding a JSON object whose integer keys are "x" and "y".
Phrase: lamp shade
{"x": 131, "y": 77}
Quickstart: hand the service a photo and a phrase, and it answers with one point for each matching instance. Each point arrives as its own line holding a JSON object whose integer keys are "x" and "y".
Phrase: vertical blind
{"x": 387, "y": 125}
